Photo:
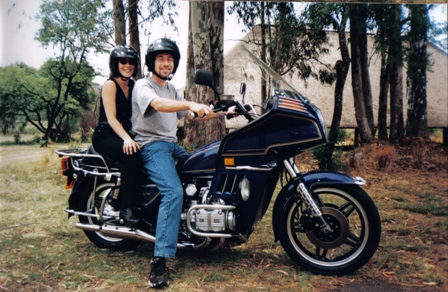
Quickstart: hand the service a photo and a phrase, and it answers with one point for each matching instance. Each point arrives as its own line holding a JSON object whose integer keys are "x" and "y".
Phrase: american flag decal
{"x": 291, "y": 104}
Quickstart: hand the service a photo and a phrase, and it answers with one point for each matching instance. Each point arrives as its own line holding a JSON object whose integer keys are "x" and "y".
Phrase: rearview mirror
{"x": 204, "y": 77}
{"x": 243, "y": 88}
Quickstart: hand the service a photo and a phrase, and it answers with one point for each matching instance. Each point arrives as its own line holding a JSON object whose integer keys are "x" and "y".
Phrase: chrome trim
{"x": 107, "y": 175}
{"x": 101, "y": 216}
{"x": 296, "y": 169}
{"x": 85, "y": 214}
{"x": 199, "y": 171}
{"x": 125, "y": 232}
{"x": 247, "y": 167}
{"x": 359, "y": 180}
{"x": 213, "y": 207}
{"x": 291, "y": 169}
{"x": 252, "y": 109}
{"x": 306, "y": 196}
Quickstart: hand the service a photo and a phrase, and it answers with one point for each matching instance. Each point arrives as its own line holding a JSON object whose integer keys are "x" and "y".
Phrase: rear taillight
{"x": 68, "y": 172}
{"x": 64, "y": 164}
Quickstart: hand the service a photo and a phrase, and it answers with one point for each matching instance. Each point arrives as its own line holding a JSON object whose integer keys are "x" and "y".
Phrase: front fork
{"x": 316, "y": 212}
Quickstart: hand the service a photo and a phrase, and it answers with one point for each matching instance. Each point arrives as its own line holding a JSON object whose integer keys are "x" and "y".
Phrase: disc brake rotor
{"x": 340, "y": 229}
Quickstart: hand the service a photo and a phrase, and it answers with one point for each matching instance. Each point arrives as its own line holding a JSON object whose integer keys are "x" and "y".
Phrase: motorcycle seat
{"x": 98, "y": 161}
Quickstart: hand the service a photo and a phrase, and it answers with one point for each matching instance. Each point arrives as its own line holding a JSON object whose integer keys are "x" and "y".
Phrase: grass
{"x": 40, "y": 250}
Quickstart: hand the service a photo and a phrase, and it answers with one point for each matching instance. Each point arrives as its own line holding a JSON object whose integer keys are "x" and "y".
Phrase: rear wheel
{"x": 92, "y": 202}
{"x": 356, "y": 229}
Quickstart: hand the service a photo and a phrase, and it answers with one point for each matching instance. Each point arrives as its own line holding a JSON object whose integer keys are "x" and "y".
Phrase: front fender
{"x": 311, "y": 180}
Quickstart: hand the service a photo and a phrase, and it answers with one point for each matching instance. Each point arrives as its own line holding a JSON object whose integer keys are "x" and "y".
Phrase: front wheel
{"x": 92, "y": 201}
{"x": 356, "y": 230}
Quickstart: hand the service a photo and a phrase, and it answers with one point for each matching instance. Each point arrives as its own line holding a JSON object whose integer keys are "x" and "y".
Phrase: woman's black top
{"x": 123, "y": 107}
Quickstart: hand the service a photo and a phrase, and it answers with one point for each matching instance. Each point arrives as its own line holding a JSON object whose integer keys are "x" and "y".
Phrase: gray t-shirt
{"x": 148, "y": 124}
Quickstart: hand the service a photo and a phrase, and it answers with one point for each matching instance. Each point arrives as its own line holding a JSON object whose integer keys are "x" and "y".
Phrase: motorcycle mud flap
{"x": 74, "y": 201}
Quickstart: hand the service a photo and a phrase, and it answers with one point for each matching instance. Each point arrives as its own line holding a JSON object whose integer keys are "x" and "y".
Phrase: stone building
{"x": 239, "y": 68}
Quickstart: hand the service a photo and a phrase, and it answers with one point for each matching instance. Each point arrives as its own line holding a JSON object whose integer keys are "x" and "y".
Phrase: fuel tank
{"x": 203, "y": 159}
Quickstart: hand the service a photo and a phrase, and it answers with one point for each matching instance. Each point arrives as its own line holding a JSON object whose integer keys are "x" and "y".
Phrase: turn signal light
{"x": 229, "y": 161}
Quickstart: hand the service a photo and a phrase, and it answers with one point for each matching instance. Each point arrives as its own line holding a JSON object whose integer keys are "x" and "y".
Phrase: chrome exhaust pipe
{"x": 125, "y": 232}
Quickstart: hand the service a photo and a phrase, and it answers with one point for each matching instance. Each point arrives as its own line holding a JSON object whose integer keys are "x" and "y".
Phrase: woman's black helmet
{"x": 122, "y": 51}
{"x": 158, "y": 46}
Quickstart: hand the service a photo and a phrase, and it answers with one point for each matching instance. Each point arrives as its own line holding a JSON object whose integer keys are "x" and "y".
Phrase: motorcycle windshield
{"x": 277, "y": 82}
{"x": 288, "y": 124}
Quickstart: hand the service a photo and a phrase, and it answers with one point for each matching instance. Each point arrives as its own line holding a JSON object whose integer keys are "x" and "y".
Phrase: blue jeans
{"x": 159, "y": 160}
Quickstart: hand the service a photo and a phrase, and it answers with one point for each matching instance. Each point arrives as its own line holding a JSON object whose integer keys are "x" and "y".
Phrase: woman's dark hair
{"x": 122, "y": 51}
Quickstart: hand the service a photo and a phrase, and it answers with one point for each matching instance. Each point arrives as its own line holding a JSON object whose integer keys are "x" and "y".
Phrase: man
{"x": 156, "y": 107}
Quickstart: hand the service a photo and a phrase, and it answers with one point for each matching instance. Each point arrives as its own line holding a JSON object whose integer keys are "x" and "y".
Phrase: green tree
{"x": 31, "y": 94}
{"x": 382, "y": 21}
{"x": 134, "y": 32}
{"x": 76, "y": 28}
{"x": 11, "y": 92}
{"x": 7, "y": 116}
{"x": 418, "y": 62}
{"x": 396, "y": 62}
{"x": 362, "y": 94}
{"x": 137, "y": 18}
{"x": 119, "y": 22}
{"x": 438, "y": 31}
{"x": 290, "y": 45}
{"x": 320, "y": 17}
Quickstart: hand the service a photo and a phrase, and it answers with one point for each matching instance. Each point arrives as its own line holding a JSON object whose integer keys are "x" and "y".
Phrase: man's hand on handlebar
{"x": 211, "y": 112}
{"x": 200, "y": 110}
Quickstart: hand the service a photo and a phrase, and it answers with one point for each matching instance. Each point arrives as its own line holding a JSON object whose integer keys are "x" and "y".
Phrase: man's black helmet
{"x": 122, "y": 51}
{"x": 158, "y": 46}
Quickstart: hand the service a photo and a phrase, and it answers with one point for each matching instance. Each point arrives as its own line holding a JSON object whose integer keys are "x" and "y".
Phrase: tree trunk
{"x": 119, "y": 23}
{"x": 279, "y": 46}
{"x": 417, "y": 119}
{"x": 134, "y": 38}
{"x": 382, "y": 105}
{"x": 364, "y": 56}
{"x": 205, "y": 51}
{"x": 357, "y": 26}
{"x": 263, "y": 52}
{"x": 341, "y": 68}
{"x": 396, "y": 77}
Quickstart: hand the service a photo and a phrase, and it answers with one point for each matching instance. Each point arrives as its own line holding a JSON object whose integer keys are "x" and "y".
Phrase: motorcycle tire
{"x": 92, "y": 201}
{"x": 356, "y": 226}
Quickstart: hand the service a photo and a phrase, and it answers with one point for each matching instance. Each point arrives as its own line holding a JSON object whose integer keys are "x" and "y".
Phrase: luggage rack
{"x": 74, "y": 160}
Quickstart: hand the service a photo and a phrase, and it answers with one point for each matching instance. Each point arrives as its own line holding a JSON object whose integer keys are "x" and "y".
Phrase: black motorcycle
{"x": 324, "y": 220}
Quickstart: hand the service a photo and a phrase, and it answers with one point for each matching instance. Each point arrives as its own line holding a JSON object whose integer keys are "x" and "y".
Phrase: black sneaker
{"x": 158, "y": 277}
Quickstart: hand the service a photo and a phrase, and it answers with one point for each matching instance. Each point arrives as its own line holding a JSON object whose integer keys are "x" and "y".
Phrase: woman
{"x": 112, "y": 136}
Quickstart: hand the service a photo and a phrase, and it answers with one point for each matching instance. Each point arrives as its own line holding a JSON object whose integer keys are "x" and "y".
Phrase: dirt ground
{"x": 22, "y": 154}
{"x": 376, "y": 282}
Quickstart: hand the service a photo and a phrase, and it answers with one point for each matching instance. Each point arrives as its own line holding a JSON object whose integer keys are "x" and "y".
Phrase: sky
{"x": 18, "y": 29}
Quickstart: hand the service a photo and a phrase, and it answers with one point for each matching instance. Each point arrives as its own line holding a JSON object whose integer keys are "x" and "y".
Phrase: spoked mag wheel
{"x": 355, "y": 224}
{"x": 92, "y": 201}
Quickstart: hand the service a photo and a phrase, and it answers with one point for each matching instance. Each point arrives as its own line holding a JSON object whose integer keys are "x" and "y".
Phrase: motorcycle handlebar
{"x": 219, "y": 107}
